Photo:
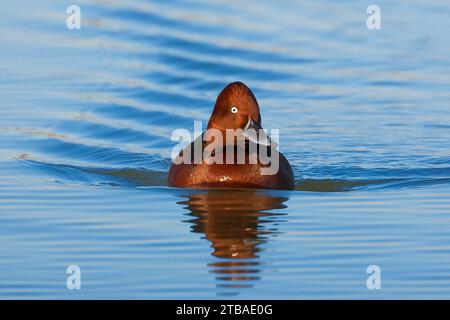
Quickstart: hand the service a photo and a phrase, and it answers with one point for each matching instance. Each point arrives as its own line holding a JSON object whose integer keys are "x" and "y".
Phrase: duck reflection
{"x": 236, "y": 223}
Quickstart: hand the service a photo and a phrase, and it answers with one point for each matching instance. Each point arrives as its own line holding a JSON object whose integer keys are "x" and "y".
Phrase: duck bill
{"x": 255, "y": 133}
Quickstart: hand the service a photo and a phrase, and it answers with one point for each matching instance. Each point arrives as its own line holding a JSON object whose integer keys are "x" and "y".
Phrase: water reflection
{"x": 236, "y": 223}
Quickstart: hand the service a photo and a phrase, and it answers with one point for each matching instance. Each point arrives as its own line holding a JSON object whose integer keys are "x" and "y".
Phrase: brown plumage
{"x": 238, "y": 96}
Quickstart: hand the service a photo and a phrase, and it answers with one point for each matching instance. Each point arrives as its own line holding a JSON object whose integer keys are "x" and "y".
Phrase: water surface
{"x": 85, "y": 123}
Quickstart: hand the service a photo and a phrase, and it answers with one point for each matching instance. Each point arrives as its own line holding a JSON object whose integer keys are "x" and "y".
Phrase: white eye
{"x": 234, "y": 109}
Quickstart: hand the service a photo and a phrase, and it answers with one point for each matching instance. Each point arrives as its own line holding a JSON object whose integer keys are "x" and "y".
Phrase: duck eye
{"x": 234, "y": 109}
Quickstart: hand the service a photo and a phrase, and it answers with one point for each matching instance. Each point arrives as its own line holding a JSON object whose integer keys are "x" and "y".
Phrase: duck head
{"x": 236, "y": 108}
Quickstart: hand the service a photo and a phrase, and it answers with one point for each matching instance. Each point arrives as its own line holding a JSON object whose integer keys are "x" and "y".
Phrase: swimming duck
{"x": 236, "y": 108}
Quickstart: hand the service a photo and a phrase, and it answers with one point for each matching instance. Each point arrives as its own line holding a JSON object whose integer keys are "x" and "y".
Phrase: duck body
{"x": 236, "y": 108}
{"x": 230, "y": 175}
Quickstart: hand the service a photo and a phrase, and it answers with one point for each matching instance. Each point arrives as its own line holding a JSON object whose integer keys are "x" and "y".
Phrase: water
{"x": 85, "y": 123}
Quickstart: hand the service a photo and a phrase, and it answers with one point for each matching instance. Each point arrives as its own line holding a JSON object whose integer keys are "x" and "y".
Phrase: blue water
{"x": 85, "y": 123}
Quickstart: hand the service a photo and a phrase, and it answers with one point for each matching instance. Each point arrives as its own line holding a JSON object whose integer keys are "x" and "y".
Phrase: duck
{"x": 237, "y": 109}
